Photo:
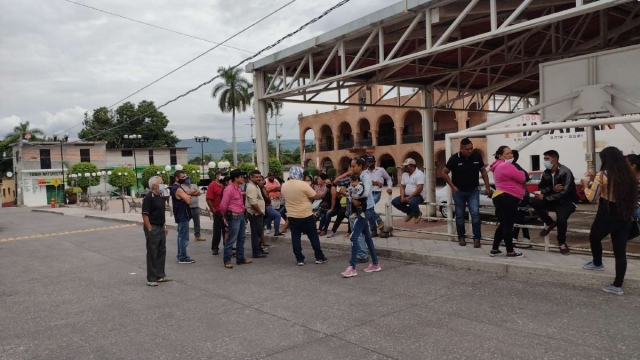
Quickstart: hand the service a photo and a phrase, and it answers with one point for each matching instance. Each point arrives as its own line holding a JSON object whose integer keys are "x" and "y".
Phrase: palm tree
{"x": 233, "y": 96}
{"x": 20, "y": 131}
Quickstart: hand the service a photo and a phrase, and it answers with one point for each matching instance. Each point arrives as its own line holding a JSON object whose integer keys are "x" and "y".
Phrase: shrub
{"x": 331, "y": 172}
{"x": 122, "y": 177}
{"x": 73, "y": 191}
{"x": 153, "y": 170}
{"x": 275, "y": 166}
{"x": 246, "y": 167}
{"x": 392, "y": 170}
{"x": 82, "y": 181}
{"x": 192, "y": 171}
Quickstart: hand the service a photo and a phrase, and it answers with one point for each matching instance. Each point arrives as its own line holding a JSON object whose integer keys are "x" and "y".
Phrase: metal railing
{"x": 342, "y": 145}
{"x": 411, "y": 138}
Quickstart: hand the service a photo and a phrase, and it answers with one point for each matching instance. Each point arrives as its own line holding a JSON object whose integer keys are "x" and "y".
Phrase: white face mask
{"x": 510, "y": 161}
{"x": 309, "y": 182}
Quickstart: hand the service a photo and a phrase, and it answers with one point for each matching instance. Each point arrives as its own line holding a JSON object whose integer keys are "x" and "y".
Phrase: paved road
{"x": 78, "y": 292}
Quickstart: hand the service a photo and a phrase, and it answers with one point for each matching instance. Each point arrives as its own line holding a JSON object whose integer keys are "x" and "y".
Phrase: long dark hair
{"x": 500, "y": 152}
{"x": 621, "y": 181}
{"x": 634, "y": 160}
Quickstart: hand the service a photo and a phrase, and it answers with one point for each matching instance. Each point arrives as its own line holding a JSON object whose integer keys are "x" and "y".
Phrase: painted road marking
{"x": 67, "y": 232}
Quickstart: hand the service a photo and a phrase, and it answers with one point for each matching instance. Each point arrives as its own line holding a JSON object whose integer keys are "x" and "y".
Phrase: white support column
{"x": 493, "y": 9}
{"x": 448, "y": 147}
{"x": 428, "y": 152}
{"x": 591, "y": 149}
{"x": 429, "y": 31}
{"x": 260, "y": 109}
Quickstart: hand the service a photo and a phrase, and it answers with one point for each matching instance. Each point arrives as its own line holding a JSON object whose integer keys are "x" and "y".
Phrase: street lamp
{"x": 135, "y": 163}
{"x": 202, "y": 140}
{"x": 224, "y": 165}
{"x": 61, "y": 138}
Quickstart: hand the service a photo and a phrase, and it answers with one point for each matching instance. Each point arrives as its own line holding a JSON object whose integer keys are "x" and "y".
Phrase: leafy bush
{"x": 392, "y": 170}
{"x": 192, "y": 171}
{"x": 151, "y": 171}
{"x": 311, "y": 172}
{"x": 275, "y": 166}
{"x": 122, "y": 177}
{"x": 331, "y": 172}
{"x": 246, "y": 167}
{"x": 73, "y": 191}
{"x": 82, "y": 181}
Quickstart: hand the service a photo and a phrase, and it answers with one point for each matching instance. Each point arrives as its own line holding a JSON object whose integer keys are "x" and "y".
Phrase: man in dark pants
{"x": 214, "y": 196}
{"x": 557, "y": 193}
{"x": 254, "y": 202}
{"x": 466, "y": 166}
{"x": 155, "y": 231}
{"x": 298, "y": 196}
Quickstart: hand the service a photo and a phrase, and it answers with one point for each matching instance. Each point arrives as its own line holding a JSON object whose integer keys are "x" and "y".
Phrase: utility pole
{"x": 253, "y": 141}
{"x": 278, "y": 136}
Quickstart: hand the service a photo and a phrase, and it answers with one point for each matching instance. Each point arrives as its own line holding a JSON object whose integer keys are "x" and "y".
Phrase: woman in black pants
{"x": 617, "y": 190}
{"x": 508, "y": 195}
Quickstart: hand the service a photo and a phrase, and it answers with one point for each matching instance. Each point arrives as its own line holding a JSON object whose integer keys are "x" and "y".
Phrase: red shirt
{"x": 214, "y": 193}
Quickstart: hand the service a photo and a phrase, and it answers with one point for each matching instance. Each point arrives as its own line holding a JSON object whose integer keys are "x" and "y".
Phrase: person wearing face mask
{"x": 155, "y": 231}
{"x": 556, "y": 192}
{"x": 193, "y": 191}
{"x": 508, "y": 195}
{"x": 182, "y": 215}
{"x": 309, "y": 180}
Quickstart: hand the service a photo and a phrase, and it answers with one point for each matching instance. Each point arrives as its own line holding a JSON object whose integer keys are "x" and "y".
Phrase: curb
{"x": 47, "y": 211}
{"x": 520, "y": 272}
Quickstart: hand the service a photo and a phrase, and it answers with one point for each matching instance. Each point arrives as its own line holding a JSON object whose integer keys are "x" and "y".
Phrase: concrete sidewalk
{"x": 536, "y": 265}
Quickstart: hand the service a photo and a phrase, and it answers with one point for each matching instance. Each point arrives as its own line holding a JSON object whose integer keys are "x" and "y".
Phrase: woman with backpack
{"x": 616, "y": 189}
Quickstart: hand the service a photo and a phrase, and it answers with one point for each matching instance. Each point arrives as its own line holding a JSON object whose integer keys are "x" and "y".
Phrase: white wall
{"x": 571, "y": 144}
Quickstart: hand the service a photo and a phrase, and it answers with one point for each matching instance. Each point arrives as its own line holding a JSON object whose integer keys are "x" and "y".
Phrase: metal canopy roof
{"x": 466, "y": 51}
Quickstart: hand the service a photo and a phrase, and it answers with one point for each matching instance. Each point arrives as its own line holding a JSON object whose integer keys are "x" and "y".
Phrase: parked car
{"x": 486, "y": 204}
{"x": 536, "y": 176}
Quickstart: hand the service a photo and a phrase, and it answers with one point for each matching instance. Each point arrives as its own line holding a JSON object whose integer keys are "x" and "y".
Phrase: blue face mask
{"x": 187, "y": 181}
{"x": 161, "y": 188}
{"x": 548, "y": 165}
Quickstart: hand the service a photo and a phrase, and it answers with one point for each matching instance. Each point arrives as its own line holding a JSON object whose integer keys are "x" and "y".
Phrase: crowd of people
{"x": 307, "y": 204}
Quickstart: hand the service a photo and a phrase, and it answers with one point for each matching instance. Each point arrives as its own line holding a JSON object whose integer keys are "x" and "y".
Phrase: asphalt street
{"x": 74, "y": 288}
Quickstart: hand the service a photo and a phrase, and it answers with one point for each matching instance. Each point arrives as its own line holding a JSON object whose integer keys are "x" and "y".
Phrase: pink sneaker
{"x": 350, "y": 272}
{"x": 331, "y": 234}
{"x": 373, "y": 268}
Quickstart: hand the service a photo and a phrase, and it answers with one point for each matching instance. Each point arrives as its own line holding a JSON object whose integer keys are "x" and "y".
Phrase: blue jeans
{"x": 237, "y": 234}
{"x": 305, "y": 226}
{"x": 375, "y": 219}
{"x": 461, "y": 199}
{"x": 273, "y": 215}
{"x": 411, "y": 208}
{"x": 362, "y": 253}
{"x": 360, "y": 229}
{"x": 183, "y": 240}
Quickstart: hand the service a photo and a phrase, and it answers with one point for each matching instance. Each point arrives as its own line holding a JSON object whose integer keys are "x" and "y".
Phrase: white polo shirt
{"x": 412, "y": 181}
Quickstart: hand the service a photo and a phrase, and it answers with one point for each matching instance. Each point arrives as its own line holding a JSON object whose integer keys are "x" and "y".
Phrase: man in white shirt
{"x": 412, "y": 191}
{"x": 378, "y": 177}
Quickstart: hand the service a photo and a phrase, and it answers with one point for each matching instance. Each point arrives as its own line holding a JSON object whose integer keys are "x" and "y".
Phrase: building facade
{"x": 390, "y": 134}
{"x": 8, "y": 194}
{"x": 39, "y": 165}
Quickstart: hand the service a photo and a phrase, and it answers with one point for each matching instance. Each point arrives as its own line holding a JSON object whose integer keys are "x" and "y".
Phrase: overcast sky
{"x": 58, "y": 59}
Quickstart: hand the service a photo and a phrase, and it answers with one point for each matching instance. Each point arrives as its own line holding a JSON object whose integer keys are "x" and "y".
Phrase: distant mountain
{"x": 215, "y": 147}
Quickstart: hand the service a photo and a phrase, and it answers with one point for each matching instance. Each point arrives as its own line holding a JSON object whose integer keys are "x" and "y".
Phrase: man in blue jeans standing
{"x": 182, "y": 215}
{"x": 378, "y": 177}
{"x": 412, "y": 191}
{"x": 466, "y": 166}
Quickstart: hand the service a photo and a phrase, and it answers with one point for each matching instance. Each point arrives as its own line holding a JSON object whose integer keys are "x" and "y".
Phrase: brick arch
{"x": 415, "y": 156}
{"x": 412, "y": 127}
{"x": 387, "y": 129}
{"x": 343, "y": 164}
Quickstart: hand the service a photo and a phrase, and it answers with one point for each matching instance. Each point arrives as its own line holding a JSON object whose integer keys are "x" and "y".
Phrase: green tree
{"x": 246, "y": 167}
{"x": 122, "y": 177}
{"x": 198, "y": 161}
{"x": 81, "y": 169}
{"x": 233, "y": 96}
{"x": 111, "y": 126}
{"x": 21, "y": 131}
{"x": 153, "y": 170}
{"x": 275, "y": 166}
{"x": 192, "y": 171}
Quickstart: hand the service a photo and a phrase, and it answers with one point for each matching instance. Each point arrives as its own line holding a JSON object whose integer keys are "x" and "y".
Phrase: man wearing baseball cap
{"x": 214, "y": 197}
{"x": 232, "y": 208}
{"x": 378, "y": 177}
{"x": 412, "y": 191}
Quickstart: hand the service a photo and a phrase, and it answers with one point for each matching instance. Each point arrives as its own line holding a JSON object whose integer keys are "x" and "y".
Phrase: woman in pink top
{"x": 509, "y": 193}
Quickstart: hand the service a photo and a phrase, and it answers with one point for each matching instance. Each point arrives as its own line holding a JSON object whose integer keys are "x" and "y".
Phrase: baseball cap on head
{"x": 409, "y": 161}
{"x": 371, "y": 160}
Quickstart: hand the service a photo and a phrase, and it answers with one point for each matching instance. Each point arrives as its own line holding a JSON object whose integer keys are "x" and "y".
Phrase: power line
{"x": 155, "y": 26}
{"x": 206, "y": 52}
{"x": 325, "y": 13}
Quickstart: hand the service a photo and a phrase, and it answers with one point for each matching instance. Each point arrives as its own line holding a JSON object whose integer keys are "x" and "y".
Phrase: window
{"x": 85, "y": 155}
{"x": 151, "y": 162}
{"x": 45, "y": 159}
{"x": 535, "y": 162}
{"x": 173, "y": 156}
{"x": 4, "y": 193}
{"x": 127, "y": 153}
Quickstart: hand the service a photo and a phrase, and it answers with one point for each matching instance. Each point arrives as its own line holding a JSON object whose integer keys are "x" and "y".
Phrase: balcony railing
{"x": 386, "y": 140}
{"x": 348, "y": 144}
{"x": 411, "y": 138}
{"x": 440, "y": 135}
{"x": 366, "y": 142}
{"x": 326, "y": 147}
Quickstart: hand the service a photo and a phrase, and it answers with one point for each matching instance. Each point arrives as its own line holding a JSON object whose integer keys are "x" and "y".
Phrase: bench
{"x": 134, "y": 205}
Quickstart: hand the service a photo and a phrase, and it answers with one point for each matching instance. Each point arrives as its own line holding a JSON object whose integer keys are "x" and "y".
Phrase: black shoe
{"x": 264, "y": 252}
{"x": 362, "y": 261}
{"x": 244, "y": 261}
{"x": 215, "y": 251}
{"x": 260, "y": 256}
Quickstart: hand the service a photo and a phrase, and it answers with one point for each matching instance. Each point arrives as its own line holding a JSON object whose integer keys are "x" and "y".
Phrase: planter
{"x": 72, "y": 199}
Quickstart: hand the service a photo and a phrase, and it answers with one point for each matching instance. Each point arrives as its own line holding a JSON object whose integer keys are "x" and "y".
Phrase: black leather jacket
{"x": 564, "y": 177}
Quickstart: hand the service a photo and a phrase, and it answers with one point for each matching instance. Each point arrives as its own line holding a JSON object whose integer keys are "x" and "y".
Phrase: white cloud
{"x": 59, "y": 59}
